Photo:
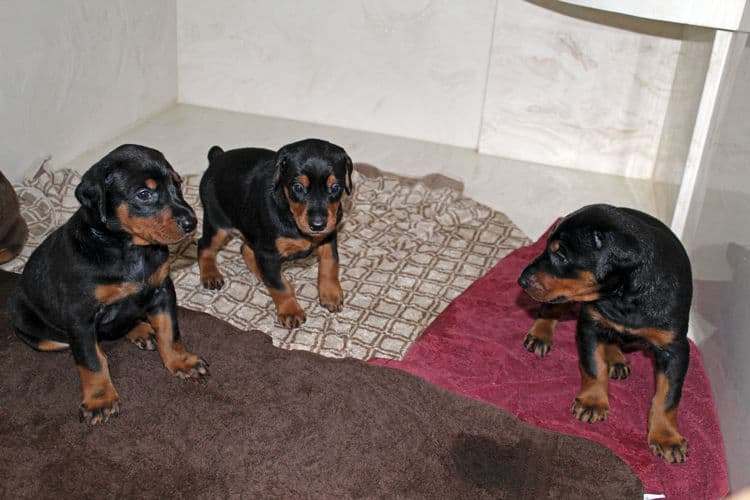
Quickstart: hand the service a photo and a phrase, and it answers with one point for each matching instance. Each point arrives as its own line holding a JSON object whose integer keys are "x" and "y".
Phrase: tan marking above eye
{"x": 331, "y": 180}
{"x": 150, "y": 183}
{"x": 554, "y": 246}
{"x": 304, "y": 180}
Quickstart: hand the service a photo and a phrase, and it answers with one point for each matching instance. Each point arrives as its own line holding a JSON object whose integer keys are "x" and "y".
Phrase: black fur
{"x": 633, "y": 278}
{"x": 67, "y": 292}
{"x": 255, "y": 192}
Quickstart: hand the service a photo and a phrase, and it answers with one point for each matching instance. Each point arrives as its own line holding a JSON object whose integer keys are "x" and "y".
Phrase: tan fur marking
{"x": 150, "y": 183}
{"x": 539, "y": 338}
{"x": 613, "y": 354}
{"x": 331, "y": 180}
{"x": 159, "y": 275}
{"x": 289, "y": 312}
{"x": 546, "y": 287}
{"x": 663, "y": 436}
{"x": 304, "y": 180}
{"x": 329, "y": 289}
{"x": 207, "y": 264}
{"x": 299, "y": 211}
{"x": 554, "y": 246}
{"x": 141, "y": 333}
{"x": 51, "y": 345}
{"x": 249, "y": 256}
{"x": 174, "y": 356}
{"x": 6, "y": 255}
{"x": 109, "y": 294}
{"x": 655, "y": 336}
{"x": 161, "y": 229}
{"x": 290, "y": 246}
{"x": 543, "y": 329}
{"x": 593, "y": 397}
{"x": 97, "y": 389}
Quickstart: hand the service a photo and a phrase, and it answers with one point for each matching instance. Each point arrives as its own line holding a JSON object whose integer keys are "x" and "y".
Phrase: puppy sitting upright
{"x": 286, "y": 205}
{"x": 105, "y": 273}
{"x": 633, "y": 278}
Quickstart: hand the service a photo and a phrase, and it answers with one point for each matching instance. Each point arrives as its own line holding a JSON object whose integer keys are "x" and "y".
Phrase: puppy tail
{"x": 214, "y": 152}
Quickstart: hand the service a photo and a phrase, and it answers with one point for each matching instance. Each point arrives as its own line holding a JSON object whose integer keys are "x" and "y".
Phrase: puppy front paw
{"x": 212, "y": 279}
{"x": 541, "y": 346}
{"x": 98, "y": 411}
{"x": 670, "y": 446}
{"x": 590, "y": 411}
{"x": 143, "y": 336}
{"x": 333, "y": 300}
{"x": 189, "y": 367}
{"x": 293, "y": 319}
{"x": 619, "y": 371}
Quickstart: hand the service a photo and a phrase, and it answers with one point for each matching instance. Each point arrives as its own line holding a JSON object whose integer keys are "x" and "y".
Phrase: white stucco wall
{"x": 537, "y": 80}
{"x": 77, "y": 72}
{"x": 413, "y": 68}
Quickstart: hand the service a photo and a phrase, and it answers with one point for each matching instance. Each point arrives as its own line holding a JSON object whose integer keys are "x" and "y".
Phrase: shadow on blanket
{"x": 275, "y": 423}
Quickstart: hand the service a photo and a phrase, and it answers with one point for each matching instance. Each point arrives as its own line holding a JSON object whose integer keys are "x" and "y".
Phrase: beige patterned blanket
{"x": 407, "y": 248}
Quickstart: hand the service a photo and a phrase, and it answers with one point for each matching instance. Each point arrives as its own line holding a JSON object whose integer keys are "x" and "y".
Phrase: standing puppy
{"x": 286, "y": 205}
{"x": 633, "y": 278}
{"x": 13, "y": 229}
{"x": 105, "y": 273}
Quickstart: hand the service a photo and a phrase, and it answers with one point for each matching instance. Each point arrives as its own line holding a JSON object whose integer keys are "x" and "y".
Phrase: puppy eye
{"x": 144, "y": 195}
{"x": 298, "y": 188}
{"x": 561, "y": 256}
{"x": 334, "y": 188}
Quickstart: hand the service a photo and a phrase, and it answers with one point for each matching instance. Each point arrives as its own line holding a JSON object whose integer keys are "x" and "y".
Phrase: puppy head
{"x": 587, "y": 252}
{"x": 135, "y": 190}
{"x": 313, "y": 176}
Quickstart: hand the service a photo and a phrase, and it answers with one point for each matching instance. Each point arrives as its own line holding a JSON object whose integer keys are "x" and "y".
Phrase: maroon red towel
{"x": 475, "y": 347}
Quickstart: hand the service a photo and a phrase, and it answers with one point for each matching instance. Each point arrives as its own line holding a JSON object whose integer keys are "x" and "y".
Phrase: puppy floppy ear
{"x": 348, "y": 186}
{"x": 624, "y": 249}
{"x": 281, "y": 163}
{"x": 91, "y": 193}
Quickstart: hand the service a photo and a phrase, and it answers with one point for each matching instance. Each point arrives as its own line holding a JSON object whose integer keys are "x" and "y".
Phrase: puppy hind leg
{"x": 663, "y": 437}
{"x": 209, "y": 245}
{"x": 32, "y": 330}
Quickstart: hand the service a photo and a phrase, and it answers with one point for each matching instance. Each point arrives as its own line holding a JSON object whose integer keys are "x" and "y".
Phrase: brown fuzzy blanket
{"x": 274, "y": 423}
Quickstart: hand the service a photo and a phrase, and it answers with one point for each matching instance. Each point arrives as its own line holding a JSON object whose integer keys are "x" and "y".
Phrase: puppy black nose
{"x": 523, "y": 281}
{"x": 317, "y": 224}
{"x": 187, "y": 224}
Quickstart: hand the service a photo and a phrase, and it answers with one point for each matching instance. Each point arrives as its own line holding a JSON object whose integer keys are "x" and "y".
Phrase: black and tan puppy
{"x": 285, "y": 205}
{"x": 632, "y": 277}
{"x": 105, "y": 273}
{"x": 13, "y": 229}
